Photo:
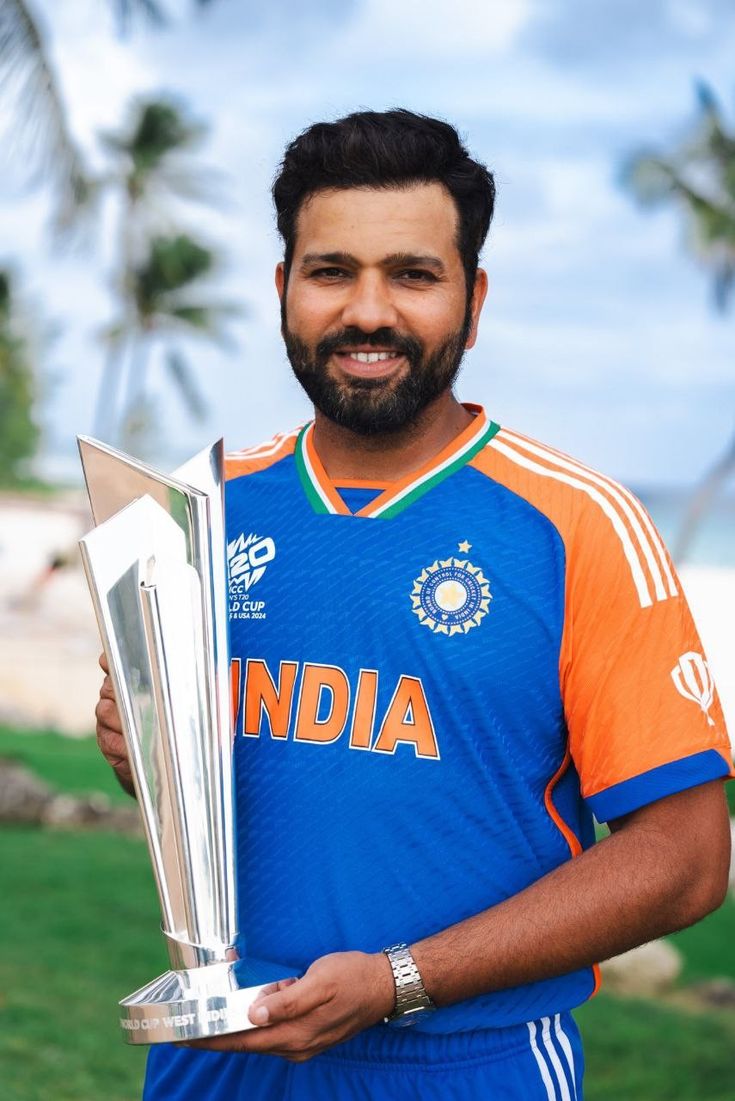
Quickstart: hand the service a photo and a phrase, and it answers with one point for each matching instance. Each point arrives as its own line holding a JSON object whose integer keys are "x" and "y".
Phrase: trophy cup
{"x": 156, "y": 569}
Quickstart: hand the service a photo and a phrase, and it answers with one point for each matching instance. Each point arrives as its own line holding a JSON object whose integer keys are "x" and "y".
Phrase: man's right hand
{"x": 110, "y": 737}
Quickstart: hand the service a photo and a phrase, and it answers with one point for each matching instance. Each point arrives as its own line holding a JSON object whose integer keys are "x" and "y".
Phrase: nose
{"x": 369, "y": 306}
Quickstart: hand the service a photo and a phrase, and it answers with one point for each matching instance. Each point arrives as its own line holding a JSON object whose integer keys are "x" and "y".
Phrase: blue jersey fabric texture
{"x": 538, "y": 1061}
{"x": 343, "y": 848}
{"x": 399, "y": 729}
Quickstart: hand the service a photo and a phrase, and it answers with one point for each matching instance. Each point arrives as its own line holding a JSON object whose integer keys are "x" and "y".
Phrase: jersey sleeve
{"x": 641, "y": 707}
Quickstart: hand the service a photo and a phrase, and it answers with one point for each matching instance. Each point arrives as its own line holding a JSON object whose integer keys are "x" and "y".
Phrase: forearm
{"x": 638, "y": 884}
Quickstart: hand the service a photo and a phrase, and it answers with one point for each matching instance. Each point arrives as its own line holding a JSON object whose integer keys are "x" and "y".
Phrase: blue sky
{"x": 598, "y": 334}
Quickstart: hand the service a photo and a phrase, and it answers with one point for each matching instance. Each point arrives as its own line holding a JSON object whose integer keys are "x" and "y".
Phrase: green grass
{"x": 709, "y": 947}
{"x": 74, "y": 765}
{"x": 640, "y": 1051}
{"x": 80, "y": 930}
{"x": 730, "y": 792}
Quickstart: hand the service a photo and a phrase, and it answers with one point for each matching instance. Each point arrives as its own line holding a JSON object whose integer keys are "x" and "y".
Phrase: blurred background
{"x": 138, "y": 141}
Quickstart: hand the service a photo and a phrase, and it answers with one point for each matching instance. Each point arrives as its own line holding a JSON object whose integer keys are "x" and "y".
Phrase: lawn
{"x": 79, "y": 932}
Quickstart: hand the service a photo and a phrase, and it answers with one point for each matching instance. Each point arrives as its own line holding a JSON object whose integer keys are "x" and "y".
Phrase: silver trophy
{"x": 156, "y": 569}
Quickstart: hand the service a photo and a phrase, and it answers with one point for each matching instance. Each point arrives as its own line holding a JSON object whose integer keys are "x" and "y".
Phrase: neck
{"x": 348, "y": 455}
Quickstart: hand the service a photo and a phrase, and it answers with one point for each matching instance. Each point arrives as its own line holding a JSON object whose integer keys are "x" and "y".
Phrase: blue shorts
{"x": 538, "y": 1061}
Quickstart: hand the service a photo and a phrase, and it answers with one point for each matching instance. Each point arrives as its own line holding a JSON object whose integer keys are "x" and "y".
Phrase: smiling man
{"x": 452, "y": 646}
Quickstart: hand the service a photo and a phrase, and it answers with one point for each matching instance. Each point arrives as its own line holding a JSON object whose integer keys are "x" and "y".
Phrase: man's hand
{"x": 109, "y": 731}
{"x": 339, "y": 996}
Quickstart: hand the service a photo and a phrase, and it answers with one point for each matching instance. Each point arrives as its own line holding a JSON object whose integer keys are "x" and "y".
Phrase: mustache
{"x": 408, "y": 346}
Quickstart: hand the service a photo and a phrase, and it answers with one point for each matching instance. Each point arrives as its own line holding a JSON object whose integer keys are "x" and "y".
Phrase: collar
{"x": 324, "y": 498}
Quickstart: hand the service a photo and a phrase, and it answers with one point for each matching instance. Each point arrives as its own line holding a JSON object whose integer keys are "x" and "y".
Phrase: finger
{"x": 292, "y": 1000}
{"x": 274, "y": 987}
{"x": 107, "y": 692}
{"x": 108, "y": 716}
{"x": 283, "y": 1040}
{"x": 103, "y": 662}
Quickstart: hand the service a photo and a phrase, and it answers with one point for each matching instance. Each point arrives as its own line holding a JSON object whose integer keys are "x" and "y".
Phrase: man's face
{"x": 376, "y": 314}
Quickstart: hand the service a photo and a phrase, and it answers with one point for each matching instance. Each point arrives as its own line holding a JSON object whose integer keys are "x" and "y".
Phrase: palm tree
{"x": 18, "y": 431}
{"x": 699, "y": 177}
{"x": 168, "y": 303}
{"x": 153, "y": 168}
{"x": 29, "y": 86}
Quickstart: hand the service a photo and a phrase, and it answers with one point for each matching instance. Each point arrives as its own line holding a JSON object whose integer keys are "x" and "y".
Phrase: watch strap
{"x": 411, "y": 995}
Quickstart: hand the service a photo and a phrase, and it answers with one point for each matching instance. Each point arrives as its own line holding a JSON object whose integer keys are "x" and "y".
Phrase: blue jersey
{"x": 436, "y": 684}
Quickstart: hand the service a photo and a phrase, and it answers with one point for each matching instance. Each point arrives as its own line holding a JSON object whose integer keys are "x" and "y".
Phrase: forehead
{"x": 375, "y": 222}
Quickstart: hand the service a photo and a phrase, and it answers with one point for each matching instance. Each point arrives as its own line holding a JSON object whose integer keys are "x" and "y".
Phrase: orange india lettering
{"x": 261, "y": 695}
{"x": 408, "y": 720}
{"x": 316, "y": 680}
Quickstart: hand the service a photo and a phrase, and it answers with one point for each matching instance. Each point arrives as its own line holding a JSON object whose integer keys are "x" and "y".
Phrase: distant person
{"x": 57, "y": 560}
{"x": 454, "y": 646}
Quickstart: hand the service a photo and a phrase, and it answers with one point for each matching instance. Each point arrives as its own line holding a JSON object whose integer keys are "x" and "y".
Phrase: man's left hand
{"x": 339, "y": 996}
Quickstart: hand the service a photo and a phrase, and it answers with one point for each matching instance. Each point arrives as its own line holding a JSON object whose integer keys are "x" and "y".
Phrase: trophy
{"x": 156, "y": 568}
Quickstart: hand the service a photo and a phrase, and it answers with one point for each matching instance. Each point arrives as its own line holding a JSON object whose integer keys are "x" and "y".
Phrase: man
{"x": 451, "y": 647}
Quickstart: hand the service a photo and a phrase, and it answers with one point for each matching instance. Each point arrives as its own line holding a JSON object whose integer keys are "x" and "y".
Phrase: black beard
{"x": 376, "y": 407}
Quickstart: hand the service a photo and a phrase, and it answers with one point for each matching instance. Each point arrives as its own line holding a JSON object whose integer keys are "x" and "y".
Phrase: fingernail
{"x": 259, "y": 1015}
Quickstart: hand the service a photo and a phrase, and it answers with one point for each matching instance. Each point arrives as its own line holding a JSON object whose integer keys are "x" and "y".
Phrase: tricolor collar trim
{"x": 324, "y": 498}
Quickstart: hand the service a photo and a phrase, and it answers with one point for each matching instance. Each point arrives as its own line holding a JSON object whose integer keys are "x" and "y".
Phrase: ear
{"x": 280, "y": 279}
{"x": 479, "y": 291}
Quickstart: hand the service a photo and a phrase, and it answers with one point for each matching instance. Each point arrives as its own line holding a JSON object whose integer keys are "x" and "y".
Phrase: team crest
{"x": 451, "y": 596}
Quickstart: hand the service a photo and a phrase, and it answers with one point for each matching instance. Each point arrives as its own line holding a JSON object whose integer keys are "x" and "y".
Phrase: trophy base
{"x": 196, "y": 1003}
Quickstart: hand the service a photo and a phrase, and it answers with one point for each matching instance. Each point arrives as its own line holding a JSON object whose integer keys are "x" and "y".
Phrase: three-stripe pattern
{"x": 641, "y": 544}
{"x": 549, "y": 1060}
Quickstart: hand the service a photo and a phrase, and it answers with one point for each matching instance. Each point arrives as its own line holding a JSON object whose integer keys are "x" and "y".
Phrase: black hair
{"x": 385, "y": 149}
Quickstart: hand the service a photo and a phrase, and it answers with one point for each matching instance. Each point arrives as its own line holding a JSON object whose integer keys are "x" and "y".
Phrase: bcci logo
{"x": 451, "y": 596}
{"x": 694, "y": 682}
{"x": 247, "y": 559}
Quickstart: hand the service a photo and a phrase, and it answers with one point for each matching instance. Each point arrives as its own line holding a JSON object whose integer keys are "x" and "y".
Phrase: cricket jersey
{"x": 437, "y": 684}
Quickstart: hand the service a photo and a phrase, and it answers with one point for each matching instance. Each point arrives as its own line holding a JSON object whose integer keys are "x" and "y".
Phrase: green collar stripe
{"x": 307, "y": 477}
{"x": 417, "y": 489}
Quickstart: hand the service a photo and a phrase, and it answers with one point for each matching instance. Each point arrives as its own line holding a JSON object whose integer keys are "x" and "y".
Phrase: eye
{"x": 416, "y": 275}
{"x": 327, "y": 273}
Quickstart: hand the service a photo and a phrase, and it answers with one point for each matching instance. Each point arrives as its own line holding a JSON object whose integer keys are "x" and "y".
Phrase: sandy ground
{"x": 48, "y": 636}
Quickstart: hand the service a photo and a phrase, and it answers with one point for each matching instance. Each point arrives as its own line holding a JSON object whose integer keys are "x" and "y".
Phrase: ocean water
{"x": 714, "y": 540}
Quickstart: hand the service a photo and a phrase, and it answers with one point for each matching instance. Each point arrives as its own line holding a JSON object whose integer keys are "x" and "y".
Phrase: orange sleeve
{"x": 642, "y": 710}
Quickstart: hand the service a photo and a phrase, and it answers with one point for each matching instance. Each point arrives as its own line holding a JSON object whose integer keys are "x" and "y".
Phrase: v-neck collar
{"x": 324, "y": 498}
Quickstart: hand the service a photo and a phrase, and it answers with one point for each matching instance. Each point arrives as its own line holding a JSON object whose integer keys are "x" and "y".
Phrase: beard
{"x": 375, "y": 407}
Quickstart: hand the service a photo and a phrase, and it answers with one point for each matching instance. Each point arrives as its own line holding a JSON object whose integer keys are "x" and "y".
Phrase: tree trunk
{"x": 702, "y": 498}
{"x": 105, "y": 419}
{"x": 135, "y": 389}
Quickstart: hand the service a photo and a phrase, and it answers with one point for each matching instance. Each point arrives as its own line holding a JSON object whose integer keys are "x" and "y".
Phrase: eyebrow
{"x": 396, "y": 259}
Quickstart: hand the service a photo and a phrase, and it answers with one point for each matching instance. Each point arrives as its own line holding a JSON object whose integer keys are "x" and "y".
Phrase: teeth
{"x": 371, "y": 357}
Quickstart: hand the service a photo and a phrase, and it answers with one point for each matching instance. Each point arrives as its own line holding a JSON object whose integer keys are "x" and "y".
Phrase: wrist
{"x": 384, "y": 987}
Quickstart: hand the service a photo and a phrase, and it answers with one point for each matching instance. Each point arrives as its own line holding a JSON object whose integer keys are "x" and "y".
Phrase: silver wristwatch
{"x": 412, "y": 1001}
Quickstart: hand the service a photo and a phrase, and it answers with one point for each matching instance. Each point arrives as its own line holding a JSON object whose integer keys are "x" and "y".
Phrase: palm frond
{"x": 648, "y": 177}
{"x": 172, "y": 263}
{"x": 153, "y": 12}
{"x": 125, "y": 12}
{"x": 699, "y": 175}
{"x": 38, "y": 136}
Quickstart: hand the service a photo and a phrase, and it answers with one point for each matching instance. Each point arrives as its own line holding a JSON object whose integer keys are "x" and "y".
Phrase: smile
{"x": 370, "y": 357}
{"x": 370, "y": 364}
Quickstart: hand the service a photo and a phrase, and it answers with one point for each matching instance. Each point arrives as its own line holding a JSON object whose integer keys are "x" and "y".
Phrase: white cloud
{"x": 434, "y": 28}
